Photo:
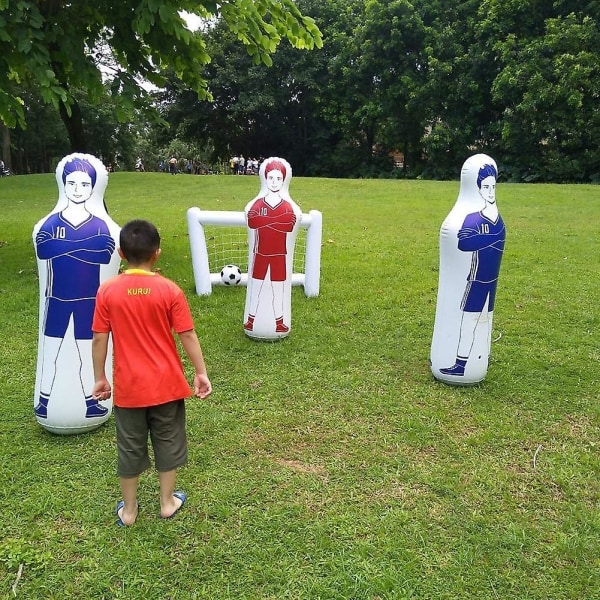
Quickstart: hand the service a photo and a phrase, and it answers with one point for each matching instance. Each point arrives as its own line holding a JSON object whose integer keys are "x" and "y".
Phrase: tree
{"x": 65, "y": 46}
{"x": 517, "y": 79}
{"x": 460, "y": 65}
{"x": 260, "y": 111}
{"x": 40, "y": 146}
{"x": 388, "y": 70}
{"x": 550, "y": 86}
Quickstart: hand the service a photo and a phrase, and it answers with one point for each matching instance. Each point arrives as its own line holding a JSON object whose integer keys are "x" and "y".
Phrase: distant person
{"x": 173, "y": 165}
{"x": 140, "y": 309}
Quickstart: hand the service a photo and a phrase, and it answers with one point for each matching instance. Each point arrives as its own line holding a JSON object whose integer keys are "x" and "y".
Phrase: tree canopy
{"x": 399, "y": 88}
{"x": 63, "y": 46}
{"x": 431, "y": 80}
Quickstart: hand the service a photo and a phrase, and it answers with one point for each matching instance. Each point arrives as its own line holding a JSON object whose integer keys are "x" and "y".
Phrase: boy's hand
{"x": 101, "y": 390}
{"x": 202, "y": 386}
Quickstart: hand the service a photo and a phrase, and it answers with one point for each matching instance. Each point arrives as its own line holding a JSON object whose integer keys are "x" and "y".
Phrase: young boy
{"x": 140, "y": 309}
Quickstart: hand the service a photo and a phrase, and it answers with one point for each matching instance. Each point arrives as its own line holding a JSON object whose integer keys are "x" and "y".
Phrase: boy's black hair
{"x": 138, "y": 241}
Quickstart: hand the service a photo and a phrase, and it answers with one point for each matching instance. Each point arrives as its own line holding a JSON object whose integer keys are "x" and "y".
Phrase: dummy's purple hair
{"x": 79, "y": 164}
{"x": 484, "y": 172}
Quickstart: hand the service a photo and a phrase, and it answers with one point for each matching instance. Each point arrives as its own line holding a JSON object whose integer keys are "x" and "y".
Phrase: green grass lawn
{"x": 330, "y": 465}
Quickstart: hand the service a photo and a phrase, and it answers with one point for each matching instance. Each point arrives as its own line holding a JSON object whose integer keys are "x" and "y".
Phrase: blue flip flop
{"x": 181, "y": 496}
{"x": 120, "y": 505}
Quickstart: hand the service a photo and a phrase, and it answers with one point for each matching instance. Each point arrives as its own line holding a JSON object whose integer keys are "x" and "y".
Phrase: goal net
{"x": 219, "y": 238}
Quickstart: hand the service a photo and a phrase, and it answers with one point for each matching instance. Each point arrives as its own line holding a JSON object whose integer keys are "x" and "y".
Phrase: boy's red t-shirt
{"x": 141, "y": 310}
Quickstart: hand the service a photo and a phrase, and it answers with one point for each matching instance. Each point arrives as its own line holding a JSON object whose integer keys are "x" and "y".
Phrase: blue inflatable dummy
{"x": 75, "y": 249}
{"x": 471, "y": 247}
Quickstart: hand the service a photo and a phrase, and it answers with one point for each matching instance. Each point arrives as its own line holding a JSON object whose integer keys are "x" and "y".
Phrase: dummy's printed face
{"x": 78, "y": 187}
{"x": 488, "y": 189}
{"x": 274, "y": 180}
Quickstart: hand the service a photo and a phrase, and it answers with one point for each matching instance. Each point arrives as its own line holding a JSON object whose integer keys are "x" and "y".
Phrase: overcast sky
{"x": 193, "y": 22}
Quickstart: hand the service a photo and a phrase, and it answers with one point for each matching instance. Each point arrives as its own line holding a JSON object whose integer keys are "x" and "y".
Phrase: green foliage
{"x": 39, "y": 147}
{"x": 433, "y": 80}
{"x": 382, "y": 72}
{"x": 35, "y": 148}
{"x": 261, "y": 34}
{"x": 557, "y": 74}
{"x": 69, "y": 46}
{"x": 330, "y": 465}
{"x": 15, "y": 552}
{"x": 247, "y": 97}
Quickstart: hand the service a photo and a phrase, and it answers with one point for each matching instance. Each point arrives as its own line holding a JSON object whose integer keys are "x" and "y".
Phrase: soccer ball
{"x": 231, "y": 275}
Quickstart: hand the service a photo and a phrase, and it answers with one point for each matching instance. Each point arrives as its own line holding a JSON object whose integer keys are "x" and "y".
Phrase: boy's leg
{"x": 133, "y": 459}
{"x": 167, "y": 432}
{"x": 169, "y": 504}
{"x": 128, "y": 513}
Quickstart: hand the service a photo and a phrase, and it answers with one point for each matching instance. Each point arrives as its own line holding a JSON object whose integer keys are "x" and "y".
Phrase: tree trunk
{"x": 74, "y": 125}
{"x": 6, "y": 146}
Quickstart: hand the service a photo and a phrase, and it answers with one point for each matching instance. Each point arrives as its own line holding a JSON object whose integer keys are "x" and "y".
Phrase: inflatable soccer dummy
{"x": 471, "y": 246}
{"x": 273, "y": 220}
{"x": 75, "y": 249}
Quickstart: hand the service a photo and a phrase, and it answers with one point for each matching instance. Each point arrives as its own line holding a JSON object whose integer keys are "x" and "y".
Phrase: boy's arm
{"x": 101, "y": 389}
{"x": 191, "y": 345}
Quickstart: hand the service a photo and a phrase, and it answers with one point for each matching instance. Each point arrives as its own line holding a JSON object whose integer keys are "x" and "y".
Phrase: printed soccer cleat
{"x": 95, "y": 410}
{"x": 456, "y": 369}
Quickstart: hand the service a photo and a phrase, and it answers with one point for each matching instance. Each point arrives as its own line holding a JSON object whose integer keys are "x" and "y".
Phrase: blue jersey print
{"x": 485, "y": 238}
{"x": 74, "y": 255}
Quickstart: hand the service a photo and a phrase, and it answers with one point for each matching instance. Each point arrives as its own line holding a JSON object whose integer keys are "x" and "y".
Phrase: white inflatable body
{"x": 471, "y": 246}
{"x": 273, "y": 220}
{"x": 75, "y": 249}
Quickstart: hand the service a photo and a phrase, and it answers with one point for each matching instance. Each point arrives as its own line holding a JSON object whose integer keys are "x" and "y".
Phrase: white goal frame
{"x": 204, "y": 279}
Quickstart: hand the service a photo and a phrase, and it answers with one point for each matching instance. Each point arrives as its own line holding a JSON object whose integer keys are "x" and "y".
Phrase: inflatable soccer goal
{"x": 220, "y": 238}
